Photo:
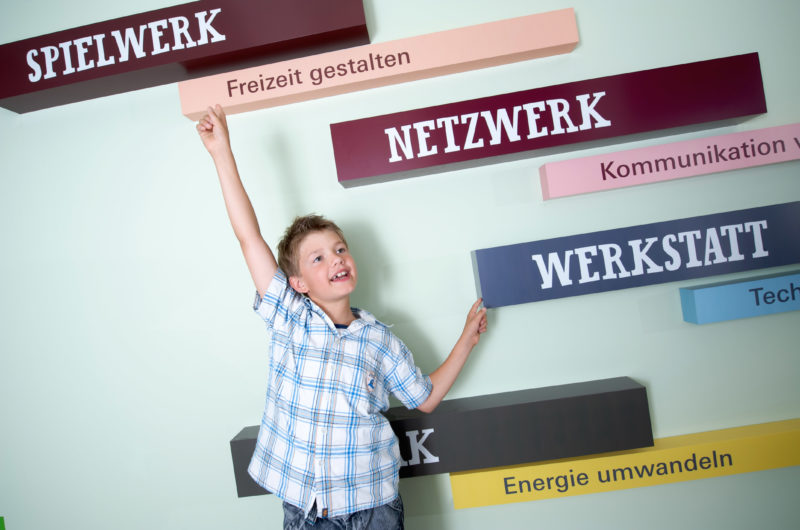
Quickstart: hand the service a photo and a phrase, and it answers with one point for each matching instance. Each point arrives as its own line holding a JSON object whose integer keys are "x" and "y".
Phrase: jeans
{"x": 386, "y": 517}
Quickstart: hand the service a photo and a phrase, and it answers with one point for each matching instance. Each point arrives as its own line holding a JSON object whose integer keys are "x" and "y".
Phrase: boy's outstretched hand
{"x": 213, "y": 130}
{"x": 444, "y": 376}
{"x": 475, "y": 325}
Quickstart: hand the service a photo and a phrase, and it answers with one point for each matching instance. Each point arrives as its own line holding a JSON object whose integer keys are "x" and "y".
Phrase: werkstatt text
{"x": 639, "y": 255}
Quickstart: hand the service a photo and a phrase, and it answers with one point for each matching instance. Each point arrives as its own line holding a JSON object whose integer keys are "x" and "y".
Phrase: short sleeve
{"x": 280, "y": 304}
{"x": 404, "y": 379}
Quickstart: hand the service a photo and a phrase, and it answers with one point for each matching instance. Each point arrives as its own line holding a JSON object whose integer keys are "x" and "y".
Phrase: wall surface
{"x": 129, "y": 355}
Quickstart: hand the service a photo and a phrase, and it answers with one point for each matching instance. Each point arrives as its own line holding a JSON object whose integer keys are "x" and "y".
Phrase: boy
{"x": 323, "y": 447}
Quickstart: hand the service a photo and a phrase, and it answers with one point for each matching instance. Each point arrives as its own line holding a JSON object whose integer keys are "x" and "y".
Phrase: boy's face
{"x": 327, "y": 271}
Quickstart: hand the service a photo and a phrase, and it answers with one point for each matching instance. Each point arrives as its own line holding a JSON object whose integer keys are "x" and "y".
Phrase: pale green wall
{"x": 129, "y": 355}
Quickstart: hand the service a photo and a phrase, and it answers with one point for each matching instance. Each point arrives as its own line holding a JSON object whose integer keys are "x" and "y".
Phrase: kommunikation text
{"x": 714, "y": 154}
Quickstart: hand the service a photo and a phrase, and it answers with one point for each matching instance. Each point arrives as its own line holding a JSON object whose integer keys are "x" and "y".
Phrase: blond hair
{"x": 294, "y": 235}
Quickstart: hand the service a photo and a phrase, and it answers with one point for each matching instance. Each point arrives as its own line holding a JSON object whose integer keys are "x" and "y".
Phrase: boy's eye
{"x": 316, "y": 259}
{"x": 342, "y": 250}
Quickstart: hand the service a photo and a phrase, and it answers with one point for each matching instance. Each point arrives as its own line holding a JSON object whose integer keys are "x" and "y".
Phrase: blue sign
{"x": 765, "y": 295}
{"x": 641, "y": 255}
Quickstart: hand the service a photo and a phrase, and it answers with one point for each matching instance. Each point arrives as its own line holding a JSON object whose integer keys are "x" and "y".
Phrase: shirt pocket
{"x": 357, "y": 385}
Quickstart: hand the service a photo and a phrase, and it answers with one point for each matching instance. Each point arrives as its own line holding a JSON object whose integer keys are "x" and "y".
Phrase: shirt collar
{"x": 363, "y": 317}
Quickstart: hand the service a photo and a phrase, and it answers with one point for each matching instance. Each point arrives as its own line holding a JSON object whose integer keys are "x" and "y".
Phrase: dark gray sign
{"x": 503, "y": 429}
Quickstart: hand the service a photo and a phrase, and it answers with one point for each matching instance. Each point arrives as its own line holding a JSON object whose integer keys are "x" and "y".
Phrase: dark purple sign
{"x": 641, "y": 255}
{"x": 172, "y": 44}
{"x": 409, "y": 143}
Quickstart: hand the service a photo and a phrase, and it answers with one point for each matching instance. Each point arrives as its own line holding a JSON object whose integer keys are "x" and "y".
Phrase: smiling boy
{"x": 315, "y": 257}
{"x": 324, "y": 447}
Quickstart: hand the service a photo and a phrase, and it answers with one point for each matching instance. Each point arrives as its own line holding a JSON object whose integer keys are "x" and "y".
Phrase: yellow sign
{"x": 674, "y": 459}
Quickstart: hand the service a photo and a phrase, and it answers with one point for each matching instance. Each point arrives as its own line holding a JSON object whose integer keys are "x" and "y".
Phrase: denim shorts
{"x": 386, "y": 517}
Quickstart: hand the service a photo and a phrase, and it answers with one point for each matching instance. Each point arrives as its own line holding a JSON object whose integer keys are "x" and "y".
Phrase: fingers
{"x": 483, "y": 323}
{"x": 217, "y": 114}
{"x": 211, "y": 116}
{"x": 477, "y": 316}
{"x": 214, "y": 117}
{"x": 205, "y": 124}
{"x": 476, "y": 312}
{"x": 219, "y": 111}
{"x": 474, "y": 308}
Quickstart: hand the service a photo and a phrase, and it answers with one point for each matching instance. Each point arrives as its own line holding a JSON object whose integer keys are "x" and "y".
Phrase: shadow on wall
{"x": 374, "y": 271}
{"x": 424, "y": 495}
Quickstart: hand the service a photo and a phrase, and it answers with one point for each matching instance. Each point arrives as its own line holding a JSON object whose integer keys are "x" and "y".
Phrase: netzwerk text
{"x": 503, "y": 124}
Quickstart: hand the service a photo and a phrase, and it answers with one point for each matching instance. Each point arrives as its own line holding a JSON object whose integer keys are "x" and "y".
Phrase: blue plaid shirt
{"x": 322, "y": 437}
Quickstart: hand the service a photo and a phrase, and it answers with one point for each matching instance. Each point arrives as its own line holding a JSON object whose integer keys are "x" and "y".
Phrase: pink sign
{"x": 671, "y": 161}
{"x": 381, "y": 64}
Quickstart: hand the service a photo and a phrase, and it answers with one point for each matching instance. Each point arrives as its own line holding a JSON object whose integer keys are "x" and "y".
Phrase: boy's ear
{"x": 298, "y": 284}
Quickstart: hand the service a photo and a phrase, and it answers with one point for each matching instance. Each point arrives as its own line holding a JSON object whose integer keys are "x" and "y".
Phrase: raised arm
{"x": 444, "y": 376}
{"x": 213, "y": 130}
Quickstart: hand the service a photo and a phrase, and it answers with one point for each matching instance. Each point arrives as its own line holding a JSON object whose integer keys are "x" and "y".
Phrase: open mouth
{"x": 340, "y": 276}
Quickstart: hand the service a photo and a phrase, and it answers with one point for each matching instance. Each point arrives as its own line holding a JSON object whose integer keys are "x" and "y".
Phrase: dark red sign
{"x": 524, "y": 123}
{"x": 172, "y": 44}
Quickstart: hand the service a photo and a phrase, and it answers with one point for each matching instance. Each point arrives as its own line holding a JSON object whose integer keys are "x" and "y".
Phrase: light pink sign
{"x": 671, "y": 161}
{"x": 381, "y": 64}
